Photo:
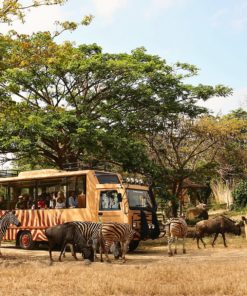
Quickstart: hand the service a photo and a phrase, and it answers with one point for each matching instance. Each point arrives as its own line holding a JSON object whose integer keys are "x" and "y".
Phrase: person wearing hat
{"x": 21, "y": 203}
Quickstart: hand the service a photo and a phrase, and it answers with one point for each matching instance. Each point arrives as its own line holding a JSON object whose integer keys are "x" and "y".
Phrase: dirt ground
{"x": 148, "y": 271}
{"x": 149, "y": 252}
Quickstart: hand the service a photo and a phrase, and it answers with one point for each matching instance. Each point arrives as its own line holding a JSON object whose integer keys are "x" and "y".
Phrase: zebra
{"x": 113, "y": 232}
{"x": 176, "y": 228}
{"x": 7, "y": 219}
{"x": 90, "y": 231}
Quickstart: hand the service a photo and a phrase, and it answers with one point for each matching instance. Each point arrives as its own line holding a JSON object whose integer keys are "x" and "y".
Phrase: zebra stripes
{"x": 176, "y": 228}
{"x": 113, "y": 232}
{"x": 90, "y": 231}
{"x": 7, "y": 219}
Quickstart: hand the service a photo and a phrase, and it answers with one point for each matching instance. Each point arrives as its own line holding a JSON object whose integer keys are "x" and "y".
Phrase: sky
{"x": 209, "y": 34}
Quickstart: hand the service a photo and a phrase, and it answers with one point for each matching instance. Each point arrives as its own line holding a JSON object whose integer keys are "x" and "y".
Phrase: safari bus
{"x": 98, "y": 196}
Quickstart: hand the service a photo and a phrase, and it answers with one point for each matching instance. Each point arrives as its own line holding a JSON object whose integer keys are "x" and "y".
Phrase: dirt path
{"x": 145, "y": 255}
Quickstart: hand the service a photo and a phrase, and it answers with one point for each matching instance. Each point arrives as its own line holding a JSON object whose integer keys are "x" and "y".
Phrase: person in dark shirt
{"x": 21, "y": 203}
{"x": 3, "y": 204}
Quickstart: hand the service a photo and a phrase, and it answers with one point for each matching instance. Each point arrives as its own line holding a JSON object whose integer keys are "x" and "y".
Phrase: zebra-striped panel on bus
{"x": 36, "y": 221}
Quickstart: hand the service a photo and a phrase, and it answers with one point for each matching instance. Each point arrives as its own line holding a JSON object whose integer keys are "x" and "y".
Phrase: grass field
{"x": 148, "y": 271}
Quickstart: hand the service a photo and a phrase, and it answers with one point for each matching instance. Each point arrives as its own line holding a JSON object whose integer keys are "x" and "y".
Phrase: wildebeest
{"x": 176, "y": 228}
{"x": 245, "y": 225}
{"x": 68, "y": 233}
{"x": 219, "y": 224}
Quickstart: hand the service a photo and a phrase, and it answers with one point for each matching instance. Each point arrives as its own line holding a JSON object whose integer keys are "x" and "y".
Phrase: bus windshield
{"x": 139, "y": 199}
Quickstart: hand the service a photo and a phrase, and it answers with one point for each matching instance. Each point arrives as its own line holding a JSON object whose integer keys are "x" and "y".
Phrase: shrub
{"x": 240, "y": 194}
{"x": 222, "y": 193}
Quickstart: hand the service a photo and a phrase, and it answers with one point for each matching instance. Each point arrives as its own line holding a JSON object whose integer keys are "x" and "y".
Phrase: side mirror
{"x": 119, "y": 197}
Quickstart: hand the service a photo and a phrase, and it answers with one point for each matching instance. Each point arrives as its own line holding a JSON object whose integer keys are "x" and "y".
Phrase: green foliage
{"x": 240, "y": 194}
{"x": 16, "y": 8}
{"x": 65, "y": 103}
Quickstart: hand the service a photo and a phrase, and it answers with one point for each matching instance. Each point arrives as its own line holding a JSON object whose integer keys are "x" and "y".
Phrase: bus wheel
{"x": 26, "y": 241}
{"x": 133, "y": 245}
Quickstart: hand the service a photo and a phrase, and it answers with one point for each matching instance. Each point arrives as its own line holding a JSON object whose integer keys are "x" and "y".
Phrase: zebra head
{"x": 11, "y": 217}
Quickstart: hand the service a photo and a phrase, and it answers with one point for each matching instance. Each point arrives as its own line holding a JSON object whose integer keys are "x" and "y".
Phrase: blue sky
{"x": 210, "y": 34}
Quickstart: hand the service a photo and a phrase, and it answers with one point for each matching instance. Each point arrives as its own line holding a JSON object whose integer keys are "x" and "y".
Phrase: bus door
{"x": 109, "y": 206}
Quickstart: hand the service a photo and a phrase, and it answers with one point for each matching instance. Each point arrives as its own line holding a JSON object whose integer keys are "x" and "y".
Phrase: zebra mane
{"x": 5, "y": 213}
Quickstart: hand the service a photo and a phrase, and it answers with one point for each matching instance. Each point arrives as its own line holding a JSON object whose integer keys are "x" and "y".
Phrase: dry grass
{"x": 222, "y": 193}
{"x": 218, "y": 271}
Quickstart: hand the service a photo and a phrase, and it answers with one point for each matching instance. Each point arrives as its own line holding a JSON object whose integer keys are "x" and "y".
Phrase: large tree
{"x": 232, "y": 157}
{"x": 189, "y": 147}
{"x": 67, "y": 103}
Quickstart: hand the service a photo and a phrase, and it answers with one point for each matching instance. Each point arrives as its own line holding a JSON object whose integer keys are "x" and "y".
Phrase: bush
{"x": 240, "y": 194}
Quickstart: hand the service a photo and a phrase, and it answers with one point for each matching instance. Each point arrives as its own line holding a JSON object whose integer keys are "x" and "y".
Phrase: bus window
{"x": 77, "y": 184}
{"x": 3, "y": 197}
{"x": 23, "y": 189}
{"x": 109, "y": 200}
{"x": 107, "y": 178}
{"x": 3, "y": 204}
{"x": 76, "y": 192}
{"x": 81, "y": 200}
{"x": 51, "y": 186}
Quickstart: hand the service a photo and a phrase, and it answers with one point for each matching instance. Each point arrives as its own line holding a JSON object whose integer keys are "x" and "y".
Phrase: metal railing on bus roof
{"x": 8, "y": 173}
{"x": 75, "y": 166}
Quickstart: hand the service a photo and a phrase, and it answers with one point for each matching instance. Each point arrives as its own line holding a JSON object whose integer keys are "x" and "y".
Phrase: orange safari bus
{"x": 88, "y": 195}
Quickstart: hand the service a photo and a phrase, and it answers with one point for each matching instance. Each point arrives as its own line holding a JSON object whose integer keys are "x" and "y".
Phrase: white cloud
{"x": 157, "y": 6}
{"x": 108, "y": 8}
{"x": 239, "y": 24}
{"x": 164, "y": 4}
{"x": 37, "y": 19}
{"x": 218, "y": 17}
{"x": 232, "y": 17}
{"x": 225, "y": 105}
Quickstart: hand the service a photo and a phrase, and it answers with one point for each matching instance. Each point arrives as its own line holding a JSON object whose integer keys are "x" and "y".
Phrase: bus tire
{"x": 26, "y": 241}
{"x": 133, "y": 245}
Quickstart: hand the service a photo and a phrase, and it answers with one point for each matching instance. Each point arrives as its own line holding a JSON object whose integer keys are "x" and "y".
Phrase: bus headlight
{"x": 134, "y": 224}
